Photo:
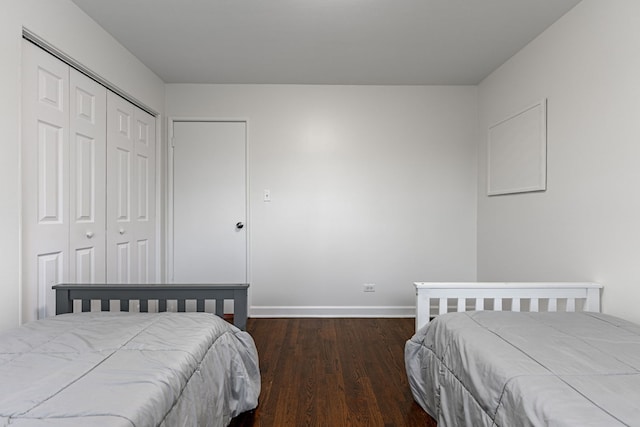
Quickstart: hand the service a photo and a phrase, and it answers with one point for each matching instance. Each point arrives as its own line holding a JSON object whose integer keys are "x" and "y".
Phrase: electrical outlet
{"x": 369, "y": 287}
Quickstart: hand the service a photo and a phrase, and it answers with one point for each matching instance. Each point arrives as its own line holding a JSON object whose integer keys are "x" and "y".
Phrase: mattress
{"x": 526, "y": 369}
{"x": 127, "y": 369}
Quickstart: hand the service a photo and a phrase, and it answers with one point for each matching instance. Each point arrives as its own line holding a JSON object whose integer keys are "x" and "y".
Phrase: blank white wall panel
{"x": 517, "y": 152}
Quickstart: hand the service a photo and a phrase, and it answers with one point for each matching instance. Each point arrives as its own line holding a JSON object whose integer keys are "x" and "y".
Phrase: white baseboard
{"x": 331, "y": 311}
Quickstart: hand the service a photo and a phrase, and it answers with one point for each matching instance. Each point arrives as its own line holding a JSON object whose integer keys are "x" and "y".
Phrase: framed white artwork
{"x": 517, "y": 152}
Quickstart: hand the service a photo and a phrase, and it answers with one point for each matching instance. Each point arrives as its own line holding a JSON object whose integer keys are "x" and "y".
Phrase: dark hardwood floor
{"x": 333, "y": 372}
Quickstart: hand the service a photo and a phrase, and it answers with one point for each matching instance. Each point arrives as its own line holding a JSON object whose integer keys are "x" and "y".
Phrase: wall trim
{"x": 332, "y": 311}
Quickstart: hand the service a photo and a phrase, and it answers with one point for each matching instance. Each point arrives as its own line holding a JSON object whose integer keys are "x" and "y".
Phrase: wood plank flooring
{"x": 333, "y": 372}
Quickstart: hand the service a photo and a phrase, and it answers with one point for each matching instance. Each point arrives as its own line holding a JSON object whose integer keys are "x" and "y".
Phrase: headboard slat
{"x": 534, "y": 306}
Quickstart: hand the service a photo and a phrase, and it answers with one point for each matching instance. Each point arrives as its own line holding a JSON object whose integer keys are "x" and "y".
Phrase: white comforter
{"x": 127, "y": 369}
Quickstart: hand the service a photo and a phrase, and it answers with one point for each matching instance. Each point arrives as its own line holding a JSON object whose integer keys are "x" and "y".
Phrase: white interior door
{"x": 45, "y": 172}
{"x": 209, "y": 202}
{"x": 87, "y": 175}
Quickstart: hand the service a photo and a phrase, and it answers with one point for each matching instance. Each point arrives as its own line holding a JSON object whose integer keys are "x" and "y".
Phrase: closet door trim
{"x": 43, "y": 44}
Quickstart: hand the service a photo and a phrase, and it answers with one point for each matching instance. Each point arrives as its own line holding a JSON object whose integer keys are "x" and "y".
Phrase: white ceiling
{"x": 432, "y": 42}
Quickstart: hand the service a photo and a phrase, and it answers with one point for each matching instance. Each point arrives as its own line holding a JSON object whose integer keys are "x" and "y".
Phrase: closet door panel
{"x": 121, "y": 191}
{"x": 144, "y": 217}
{"x": 88, "y": 128}
{"x": 45, "y": 159}
{"x": 45, "y": 171}
{"x": 130, "y": 193}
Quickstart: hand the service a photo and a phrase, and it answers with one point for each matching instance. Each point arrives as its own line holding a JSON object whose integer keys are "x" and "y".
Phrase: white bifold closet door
{"x": 75, "y": 172}
{"x": 63, "y": 152}
{"x": 45, "y": 180}
{"x": 130, "y": 193}
{"x": 87, "y": 180}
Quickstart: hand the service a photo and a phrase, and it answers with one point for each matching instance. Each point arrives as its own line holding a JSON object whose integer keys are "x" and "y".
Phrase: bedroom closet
{"x": 88, "y": 183}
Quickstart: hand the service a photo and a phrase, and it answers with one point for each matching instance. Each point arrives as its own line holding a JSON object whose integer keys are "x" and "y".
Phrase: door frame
{"x": 169, "y": 227}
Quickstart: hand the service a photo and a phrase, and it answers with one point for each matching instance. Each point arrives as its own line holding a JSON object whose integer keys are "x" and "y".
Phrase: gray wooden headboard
{"x": 67, "y": 293}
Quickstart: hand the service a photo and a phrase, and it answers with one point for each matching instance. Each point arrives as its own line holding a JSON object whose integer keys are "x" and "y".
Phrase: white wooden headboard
{"x": 458, "y": 296}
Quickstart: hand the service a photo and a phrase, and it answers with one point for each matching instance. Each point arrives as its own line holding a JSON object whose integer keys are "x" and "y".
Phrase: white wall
{"x": 586, "y": 226}
{"x": 66, "y": 27}
{"x": 369, "y": 184}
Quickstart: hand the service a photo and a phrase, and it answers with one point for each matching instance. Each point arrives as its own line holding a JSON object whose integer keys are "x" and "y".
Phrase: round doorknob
{"x": 121, "y": 231}
{"x": 239, "y": 225}
{"x": 89, "y": 234}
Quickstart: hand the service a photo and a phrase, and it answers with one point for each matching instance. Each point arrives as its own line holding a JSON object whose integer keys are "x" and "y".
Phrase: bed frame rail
{"x": 460, "y": 296}
{"x": 66, "y": 294}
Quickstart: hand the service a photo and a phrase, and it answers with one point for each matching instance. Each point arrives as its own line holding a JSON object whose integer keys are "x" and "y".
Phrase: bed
{"x": 525, "y": 354}
{"x": 108, "y": 368}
